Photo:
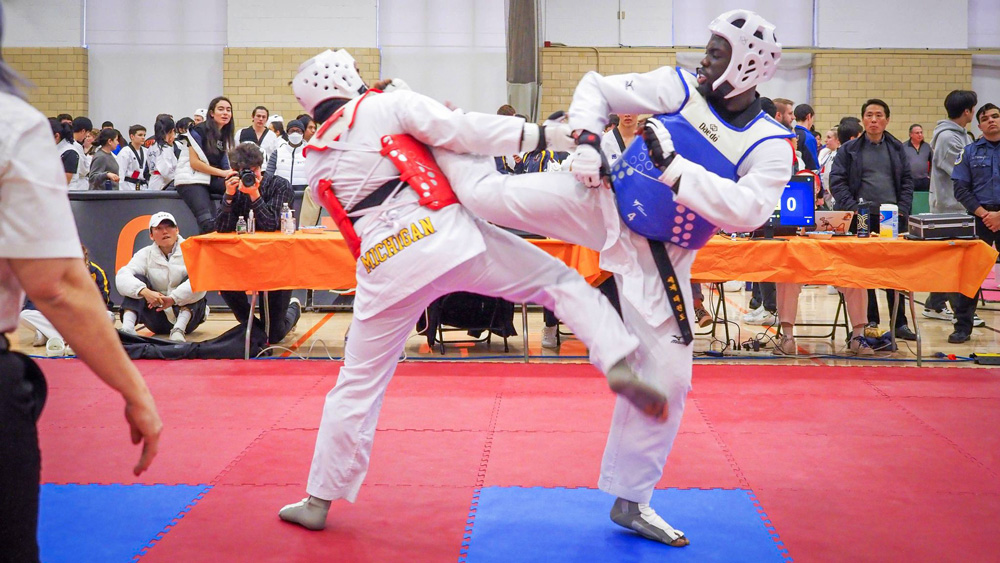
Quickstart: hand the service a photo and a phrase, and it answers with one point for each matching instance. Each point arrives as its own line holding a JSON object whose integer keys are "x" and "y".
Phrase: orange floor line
{"x": 302, "y": 340}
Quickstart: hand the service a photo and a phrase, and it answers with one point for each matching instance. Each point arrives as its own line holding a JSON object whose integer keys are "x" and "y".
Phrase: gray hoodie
{"x": 947, "y": 143}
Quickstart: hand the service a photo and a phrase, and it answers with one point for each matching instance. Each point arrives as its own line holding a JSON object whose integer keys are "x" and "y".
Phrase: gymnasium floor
{"x": 479, "y": 457}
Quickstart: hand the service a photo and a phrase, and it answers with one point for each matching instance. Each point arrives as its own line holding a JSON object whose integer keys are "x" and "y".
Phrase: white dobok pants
{"x": 510, "y": 268}
{"x": 556, "y": 205}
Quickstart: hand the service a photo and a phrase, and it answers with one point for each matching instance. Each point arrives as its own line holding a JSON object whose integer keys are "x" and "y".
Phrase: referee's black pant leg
{"x": 22, "y": 396}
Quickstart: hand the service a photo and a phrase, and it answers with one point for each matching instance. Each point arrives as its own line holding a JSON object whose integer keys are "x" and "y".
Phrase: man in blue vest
{"x": 709, "y": 158}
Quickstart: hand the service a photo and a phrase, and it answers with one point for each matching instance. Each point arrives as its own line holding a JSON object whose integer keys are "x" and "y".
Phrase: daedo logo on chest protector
{"x": 647, "y": 205}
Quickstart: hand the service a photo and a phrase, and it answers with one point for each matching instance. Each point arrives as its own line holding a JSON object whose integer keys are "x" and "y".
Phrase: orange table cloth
{"x": 320, "y": 260}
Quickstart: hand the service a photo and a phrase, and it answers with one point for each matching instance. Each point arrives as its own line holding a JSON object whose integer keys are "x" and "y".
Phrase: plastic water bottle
{"x": 287, "y": 220}
{"x": 863, "y": 230}
{"x": 241, "y": 226}
{"x": 251, "y": 223}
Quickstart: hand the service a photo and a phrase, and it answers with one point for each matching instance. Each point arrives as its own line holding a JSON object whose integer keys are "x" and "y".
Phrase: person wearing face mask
{"x": 287, "y": 160}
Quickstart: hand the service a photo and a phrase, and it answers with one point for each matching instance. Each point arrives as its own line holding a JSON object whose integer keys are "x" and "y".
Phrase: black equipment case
{"x": 938, "y": 226}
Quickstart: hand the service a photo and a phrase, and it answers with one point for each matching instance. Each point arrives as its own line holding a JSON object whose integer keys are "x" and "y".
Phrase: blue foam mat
{"x": 107, "y": 523}
{"x": 539, "y": 524}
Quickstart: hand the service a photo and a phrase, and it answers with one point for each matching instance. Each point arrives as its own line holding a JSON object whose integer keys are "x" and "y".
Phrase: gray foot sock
{"x": 310, "y": 513}
{"x": 645, "y": 397}
{"x": 642, "y": 519}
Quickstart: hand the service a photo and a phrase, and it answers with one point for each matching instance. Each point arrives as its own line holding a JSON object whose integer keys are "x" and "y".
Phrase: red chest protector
{"x": 412, "y": 158}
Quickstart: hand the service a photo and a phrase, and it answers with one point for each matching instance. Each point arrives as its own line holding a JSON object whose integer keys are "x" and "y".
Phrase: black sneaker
{"x": 904, "y": 333}
{"x": 959, "y": 337}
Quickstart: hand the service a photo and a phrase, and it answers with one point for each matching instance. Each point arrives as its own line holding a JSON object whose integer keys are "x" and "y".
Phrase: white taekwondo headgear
{"x": 756, "y": 50}
{"x": 330, "y": 74}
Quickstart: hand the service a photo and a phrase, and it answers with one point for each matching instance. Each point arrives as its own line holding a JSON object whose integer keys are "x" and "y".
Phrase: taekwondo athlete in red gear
{"x": 709, "y": 158}
{"x": 369, "y": 166}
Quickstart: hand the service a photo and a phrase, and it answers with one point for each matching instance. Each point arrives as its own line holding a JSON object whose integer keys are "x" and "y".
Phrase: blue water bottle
{"x": 863, "y": 229}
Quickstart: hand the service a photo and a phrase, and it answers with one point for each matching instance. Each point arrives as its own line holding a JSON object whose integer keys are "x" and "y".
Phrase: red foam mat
{"x": 850, "y": 464}
{"x": 386, "y": 524}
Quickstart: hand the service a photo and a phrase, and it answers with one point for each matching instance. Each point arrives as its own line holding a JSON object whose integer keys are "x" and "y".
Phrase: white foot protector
{"x": 642, "y": 519}
{"x": 310, "y": 513}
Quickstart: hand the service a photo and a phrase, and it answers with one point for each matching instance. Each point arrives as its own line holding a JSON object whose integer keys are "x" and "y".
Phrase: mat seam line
{"x": 463, "y": 552}
{"x": 933, "y": 430}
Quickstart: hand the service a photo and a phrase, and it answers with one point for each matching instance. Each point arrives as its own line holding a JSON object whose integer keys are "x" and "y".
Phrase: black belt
{"x": 375, "y": 198}
{"x": 674, "y": 295}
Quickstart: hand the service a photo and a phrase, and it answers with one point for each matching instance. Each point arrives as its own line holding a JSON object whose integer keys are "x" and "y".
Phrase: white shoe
{"x": 733, "y": 286}
{"x": 39, "y": 339}
{"x": 177, "y": 335}
{"x": 753, "y": 315}
{"x": 549, "y": 337}
{"x": 55, "y": 347}
{"x": 128, "y": 330}
{"x": 786, "y": 346}
{"x": 831, "y": 290}
{"x": 976, "y": 321}
{"x": 68, "y": 351}
{"x": 942, "y": 315}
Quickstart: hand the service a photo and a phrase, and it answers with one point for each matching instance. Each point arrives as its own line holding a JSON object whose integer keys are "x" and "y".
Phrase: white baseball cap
{"x": 275, "y": 118}
{"x": 201, "y": 112}
{"x": 160, "y": 217}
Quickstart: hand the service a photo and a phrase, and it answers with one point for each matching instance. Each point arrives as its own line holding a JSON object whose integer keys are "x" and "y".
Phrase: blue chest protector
{"x": 647, "y": 205}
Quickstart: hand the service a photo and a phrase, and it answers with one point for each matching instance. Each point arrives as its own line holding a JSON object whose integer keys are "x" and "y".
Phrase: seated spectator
{"x": 69, "y": 152}
{"x": 155, "y": 287}
{"x": 104, "y": 167}
{"x": 788, "y": 307}
{"x": 82, "y": 129}
{"x": 200, "y": 115}
{"x": 287, "y": 161}
{"x": 265, "y": 197}
{"x": 161, "y": 155}
{"x": 47, "y": 334}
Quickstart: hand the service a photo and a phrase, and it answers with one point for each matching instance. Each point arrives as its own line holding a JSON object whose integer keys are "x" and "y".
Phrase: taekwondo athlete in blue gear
{"x": 752, "y": 165}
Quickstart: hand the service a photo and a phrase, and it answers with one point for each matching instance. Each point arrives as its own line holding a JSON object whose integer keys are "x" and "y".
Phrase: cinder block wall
{"x": 59, "y": 76}
{"x": 913, "y": 84}
{"x": 260, "y": 76}
{"x": 562, "y": 68}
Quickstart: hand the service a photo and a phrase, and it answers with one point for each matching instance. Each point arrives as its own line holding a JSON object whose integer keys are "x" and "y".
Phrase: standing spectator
{"x": 107, "y": 125}
{"x": 40, "y": 257}
{"x": 918, "y": 155}
{"x": 68, "y": 150}
{"x": 162, "y": 158}
{"x": 287, "y": 161}
{"x": 613, "y": 122}
{"x": 276, "y": 124}
{"x": 201, "y": 169}
{"x": 199, "y": 115}
{"x": 950, "y": 138}
{"x": 806, "y": 141}
{"x": 259, "y": 133}
{"x": 81, "y": 128}
{"x": 265, "y": 198}
{"x": 784, "y": 112}
{"x": 874, "y": 167}
{"x": 104, "y": 168}
{"x": 132, "y": 161}
{"x": 154, "y": 285}
{"x": 506, "y": 164}
{"x": 615, "y": 141}
{"x": 65, "y": 118}
{"x": 977, "y": 186}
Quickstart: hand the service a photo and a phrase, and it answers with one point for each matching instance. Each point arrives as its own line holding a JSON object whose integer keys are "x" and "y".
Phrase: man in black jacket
{"x": 874, "y": 167}
{"x": 265, "y": 198}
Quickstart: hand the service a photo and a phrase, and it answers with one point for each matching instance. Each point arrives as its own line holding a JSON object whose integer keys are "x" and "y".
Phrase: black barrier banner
{"x": 114, "y": 225}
